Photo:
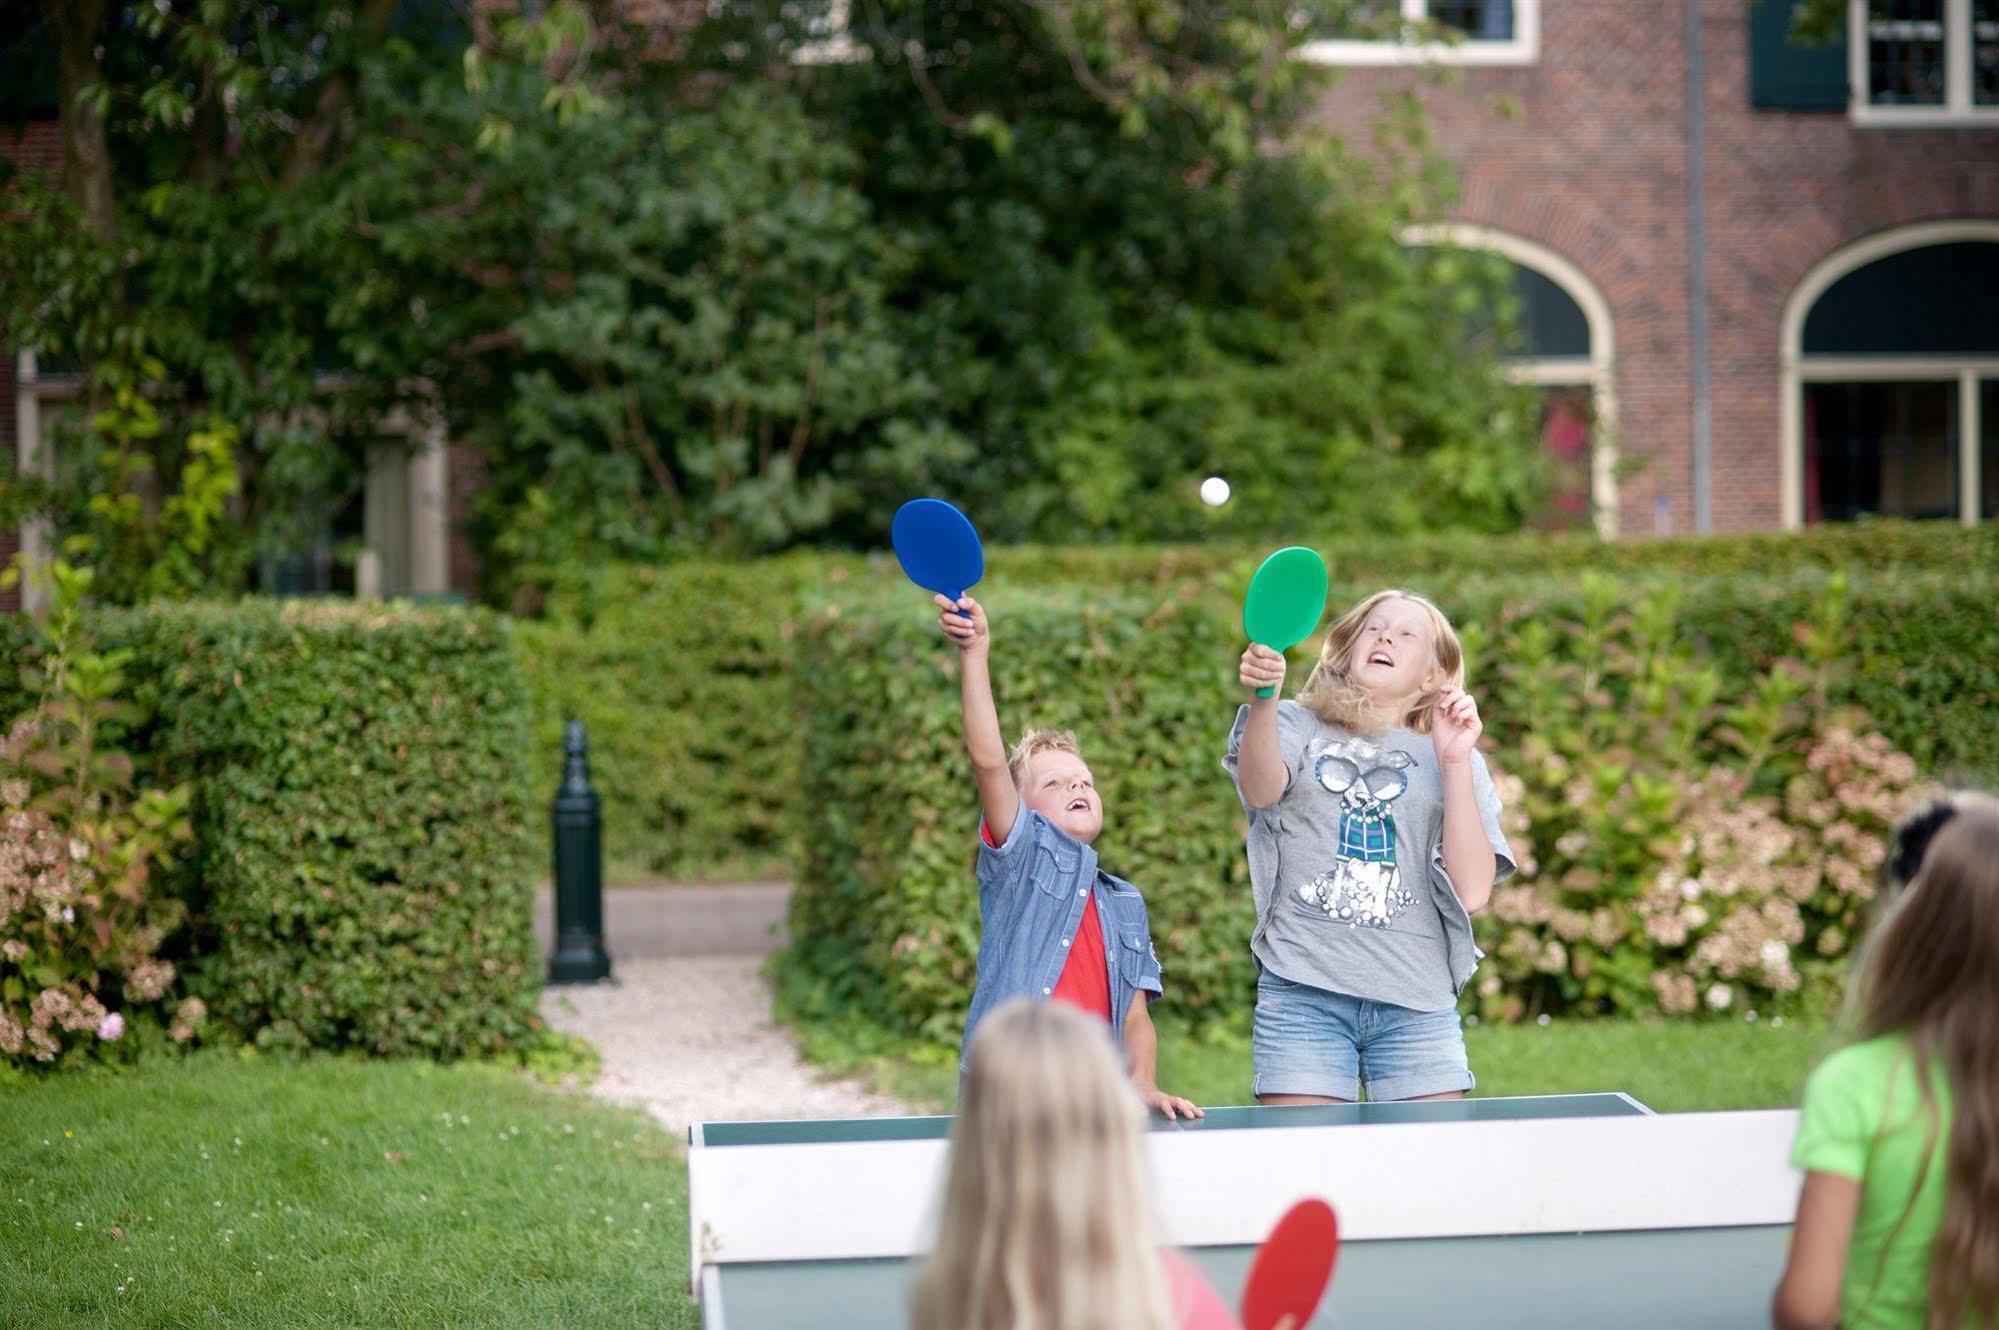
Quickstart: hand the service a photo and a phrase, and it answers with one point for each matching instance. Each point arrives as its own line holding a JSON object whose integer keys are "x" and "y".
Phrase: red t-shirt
{"x": 1086, "y": 977}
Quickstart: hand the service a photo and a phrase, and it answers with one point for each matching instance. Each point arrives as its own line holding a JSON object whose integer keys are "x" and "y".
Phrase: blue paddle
{"x": 937, "y": 548}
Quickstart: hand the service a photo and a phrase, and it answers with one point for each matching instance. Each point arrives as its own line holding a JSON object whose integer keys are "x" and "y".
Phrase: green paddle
{"x": 1286, "y": 598}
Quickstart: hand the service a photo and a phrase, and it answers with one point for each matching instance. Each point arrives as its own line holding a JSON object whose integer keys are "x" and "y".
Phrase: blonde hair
{"x": 1331, "y": 692}
{"x": 1047, "y": 1220}
{"x": 1930, "y": 973}
{"x": 1036, "y": 742}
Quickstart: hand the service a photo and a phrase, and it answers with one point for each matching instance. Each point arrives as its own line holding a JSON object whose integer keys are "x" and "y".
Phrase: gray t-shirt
{"x": 1348, "y": 867}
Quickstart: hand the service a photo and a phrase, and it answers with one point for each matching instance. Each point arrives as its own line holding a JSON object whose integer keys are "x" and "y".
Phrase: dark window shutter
{"x": 1784, "y": 76}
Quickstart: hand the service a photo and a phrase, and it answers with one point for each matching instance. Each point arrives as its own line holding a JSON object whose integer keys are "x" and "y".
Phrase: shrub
{"x": 682, "y": 677}
{"x": 684, "y": 673}
{"x": 82, "y": 914}
{"x": 366, "y": 851}
{"x": 1652, "y": 732}
{"x": 1686, "y": 838}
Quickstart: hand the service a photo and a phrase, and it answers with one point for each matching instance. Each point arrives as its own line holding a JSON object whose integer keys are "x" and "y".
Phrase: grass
{"x": 1672, "y": 1066}
{"x": 232, "y": 1191}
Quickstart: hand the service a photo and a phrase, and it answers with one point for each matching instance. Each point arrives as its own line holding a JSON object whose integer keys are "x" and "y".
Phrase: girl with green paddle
{"x": 1374, "y": 833}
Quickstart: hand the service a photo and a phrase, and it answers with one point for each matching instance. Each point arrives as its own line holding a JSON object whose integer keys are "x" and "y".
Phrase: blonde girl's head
{"x": 1384, "y": 664}
{"x": 1047, "y": 1221}
{"x": 1930, "y": 973}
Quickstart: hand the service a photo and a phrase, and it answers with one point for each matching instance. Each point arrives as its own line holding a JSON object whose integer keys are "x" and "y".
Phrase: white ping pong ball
{"x": 1214, "y": 491}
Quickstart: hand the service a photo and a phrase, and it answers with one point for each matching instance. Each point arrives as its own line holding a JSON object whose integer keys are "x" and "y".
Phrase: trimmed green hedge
{"x": 885, "y": 921}
{"x": 366, "y": 851}
{"x": 684, "y": 673}
{"x": 680, "y": 675}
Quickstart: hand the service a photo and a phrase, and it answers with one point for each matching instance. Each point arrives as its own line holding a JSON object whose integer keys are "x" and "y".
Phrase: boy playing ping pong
{"x": 1055, "y": 926}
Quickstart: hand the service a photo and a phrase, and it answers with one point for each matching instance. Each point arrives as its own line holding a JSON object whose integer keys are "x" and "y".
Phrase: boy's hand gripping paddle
{"x": 1285, "y": 601}
{"x": 1292, "y": 1268}
{"x": 937, "y": 547}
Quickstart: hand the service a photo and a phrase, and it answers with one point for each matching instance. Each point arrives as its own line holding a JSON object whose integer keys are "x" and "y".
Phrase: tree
{"x": 686, "y": 290}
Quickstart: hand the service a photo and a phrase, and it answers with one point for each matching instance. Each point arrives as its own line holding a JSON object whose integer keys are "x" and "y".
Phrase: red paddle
{"x": 1292, "y": 1269}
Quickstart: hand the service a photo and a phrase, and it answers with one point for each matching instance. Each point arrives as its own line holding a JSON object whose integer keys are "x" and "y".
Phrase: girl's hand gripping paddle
{"x": 937, "y": 547}
{"x": 1292, "y": 1268}
{"x": 1285, "y": 601}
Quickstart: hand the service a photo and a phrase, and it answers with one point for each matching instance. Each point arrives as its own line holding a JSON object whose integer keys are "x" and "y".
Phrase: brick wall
{"x": 1585, "y": 152}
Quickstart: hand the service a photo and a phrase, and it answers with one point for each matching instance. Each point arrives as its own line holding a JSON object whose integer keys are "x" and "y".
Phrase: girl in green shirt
{"x": 1898, "y": 1222}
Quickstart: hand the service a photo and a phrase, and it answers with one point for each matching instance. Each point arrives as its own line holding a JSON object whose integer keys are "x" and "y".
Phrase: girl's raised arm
{"x": 1260, "y": 765}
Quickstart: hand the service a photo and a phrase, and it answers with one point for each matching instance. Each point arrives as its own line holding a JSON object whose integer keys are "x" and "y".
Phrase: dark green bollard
{"x": 578, "y": 819}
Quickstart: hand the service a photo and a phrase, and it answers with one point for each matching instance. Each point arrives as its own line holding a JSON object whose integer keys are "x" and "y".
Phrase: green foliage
{"x": 82, "y": 913}
{"x": 366, "y": 850}
{"x": 684, "y": 673}
{"x": 235, "y": 1190}
{"x": 1635, "y": 712}
{"x": 1817, "y": 21}
{"x": 145, "y": 539}
{"x": 1118, "y": 295}
{"x": 704, "y": 353}
{"x": 1035, "y": 255}
{"x": 681, "y": 676}
{"x": 1685, "y": 837}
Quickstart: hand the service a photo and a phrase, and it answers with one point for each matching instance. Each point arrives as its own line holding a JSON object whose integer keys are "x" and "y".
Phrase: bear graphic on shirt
{"x": 1364, "y": 885}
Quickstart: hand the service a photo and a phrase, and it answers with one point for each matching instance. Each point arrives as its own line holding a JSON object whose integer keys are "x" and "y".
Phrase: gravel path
{"x": 690, "y": 1038}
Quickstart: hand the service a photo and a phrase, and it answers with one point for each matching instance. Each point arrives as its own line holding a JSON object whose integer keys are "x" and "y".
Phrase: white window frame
{"x": 1799, "y": 369}
{"x": 1598, "y": 372}
{"x": 1957, "y": 108}
{"x": 1523, "y": 48}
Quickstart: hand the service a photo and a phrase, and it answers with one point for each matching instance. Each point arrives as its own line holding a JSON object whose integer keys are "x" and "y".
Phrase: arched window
{"x": 1891, "y": 379}
{"x": 1567, "y": 355}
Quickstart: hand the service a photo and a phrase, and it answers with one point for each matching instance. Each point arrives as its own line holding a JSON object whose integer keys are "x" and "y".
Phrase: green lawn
{"x": 230, "y": 1191}
{"x": 1673, "y": 1066}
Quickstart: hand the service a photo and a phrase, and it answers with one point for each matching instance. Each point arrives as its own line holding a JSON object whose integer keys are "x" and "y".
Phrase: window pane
{"x": 1988, "y": 452}
{"x": 1933, "y": 301}
{"x": 1985, "y": 52}
{"x": 1905, "y": 52}
{"x": 1883, "y": 448}
{"x": 1550, "y": 319}
{"x": 1478, "y": 20}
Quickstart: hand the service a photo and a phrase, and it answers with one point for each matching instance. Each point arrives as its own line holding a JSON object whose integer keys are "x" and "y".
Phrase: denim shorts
{"x": 1310, "y": 1041}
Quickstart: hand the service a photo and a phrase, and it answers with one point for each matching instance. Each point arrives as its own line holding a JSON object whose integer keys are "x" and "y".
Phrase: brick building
{"x": 1768, "y": 302}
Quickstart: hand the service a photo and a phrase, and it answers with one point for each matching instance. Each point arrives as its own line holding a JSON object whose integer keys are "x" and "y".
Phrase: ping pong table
{"x": 1545, "y": 1212}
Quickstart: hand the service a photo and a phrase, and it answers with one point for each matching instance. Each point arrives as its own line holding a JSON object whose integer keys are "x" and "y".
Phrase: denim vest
{"x": 1031, "y": 895}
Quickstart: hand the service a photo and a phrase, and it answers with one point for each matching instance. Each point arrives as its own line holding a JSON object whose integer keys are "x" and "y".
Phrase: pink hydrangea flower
{"x": 111, "y": 1027}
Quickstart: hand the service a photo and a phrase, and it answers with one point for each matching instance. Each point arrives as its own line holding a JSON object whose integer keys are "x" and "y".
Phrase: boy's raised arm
{"x": 969, "y": 632}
